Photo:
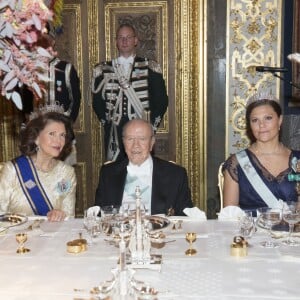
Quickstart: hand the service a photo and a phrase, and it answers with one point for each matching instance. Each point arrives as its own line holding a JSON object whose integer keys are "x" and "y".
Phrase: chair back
{"x": 221, "y": 184}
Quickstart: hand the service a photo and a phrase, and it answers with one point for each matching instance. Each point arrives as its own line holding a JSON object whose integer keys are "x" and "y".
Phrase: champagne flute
{"x": 191, "y": 238}
{"x": 21, "y": 238}
{"x": 292, "y": 216}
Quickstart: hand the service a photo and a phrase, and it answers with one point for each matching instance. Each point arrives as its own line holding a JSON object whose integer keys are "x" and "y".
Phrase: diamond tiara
{"x": 261, "y": 96}
{"x": 43, "y": 109}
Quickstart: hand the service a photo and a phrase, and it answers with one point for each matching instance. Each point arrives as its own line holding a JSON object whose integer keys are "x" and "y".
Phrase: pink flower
{"x": 21, "y": 60}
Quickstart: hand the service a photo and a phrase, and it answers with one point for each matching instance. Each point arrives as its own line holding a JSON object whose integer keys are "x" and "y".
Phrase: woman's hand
{"x": 56, "y": 215}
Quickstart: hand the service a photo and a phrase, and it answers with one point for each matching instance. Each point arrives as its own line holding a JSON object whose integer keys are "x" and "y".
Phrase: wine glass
{"x": 270, "y": 217}
{"x": 191, "y": 238}
{"x": 21, "y": 238}
{"x": 291, "y": 214}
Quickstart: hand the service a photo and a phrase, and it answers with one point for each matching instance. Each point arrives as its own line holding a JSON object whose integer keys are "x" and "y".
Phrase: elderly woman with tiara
{"x": 258, "y": 176}
{"x": 38, "y": 182}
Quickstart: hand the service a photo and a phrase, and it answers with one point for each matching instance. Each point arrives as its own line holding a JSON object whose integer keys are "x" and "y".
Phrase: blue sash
{"x": 31, "y": 186}
{"x": 255, "y": 180}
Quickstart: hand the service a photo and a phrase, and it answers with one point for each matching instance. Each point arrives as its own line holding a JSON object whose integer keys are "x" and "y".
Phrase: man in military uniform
{"x": 63, "y": 87}
{"x": 126, "y": 88}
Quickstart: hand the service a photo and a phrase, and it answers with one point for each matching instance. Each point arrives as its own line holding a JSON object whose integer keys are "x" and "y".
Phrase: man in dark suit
{"x": 126, "y": 88}
{"x": 164, "y": 185}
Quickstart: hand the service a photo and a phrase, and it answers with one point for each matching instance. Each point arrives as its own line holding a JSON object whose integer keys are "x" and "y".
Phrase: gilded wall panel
{"x": 190, "y": 94}
{"x": 253, "y": 39}
{"x": 296, "y": 48}
{"x": 10, "y": 125}
{"x": 81, "y": 193}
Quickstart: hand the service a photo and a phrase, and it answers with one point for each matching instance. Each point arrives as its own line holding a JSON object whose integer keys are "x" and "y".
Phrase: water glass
{"x": 246, "y": 224}
{"x": 110, "y": 215}
{"x": 91, "y": 223}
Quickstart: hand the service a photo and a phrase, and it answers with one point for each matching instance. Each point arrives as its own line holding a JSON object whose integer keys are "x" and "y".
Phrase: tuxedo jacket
{"x": 170, "y": 189}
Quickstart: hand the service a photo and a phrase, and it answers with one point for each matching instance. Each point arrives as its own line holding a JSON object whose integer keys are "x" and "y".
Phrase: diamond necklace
{"x": 279, "y": 149}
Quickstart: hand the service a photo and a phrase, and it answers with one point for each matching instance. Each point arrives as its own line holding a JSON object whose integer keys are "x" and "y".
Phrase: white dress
{"x": 59, "y": 185}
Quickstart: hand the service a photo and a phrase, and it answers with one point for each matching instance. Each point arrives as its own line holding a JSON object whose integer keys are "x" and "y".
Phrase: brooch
{"x": 63, "y": 186}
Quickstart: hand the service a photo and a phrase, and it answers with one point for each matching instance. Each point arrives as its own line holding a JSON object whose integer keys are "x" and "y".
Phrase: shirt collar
{"x": 126, "y": 60}
{"x": 145, "y": 168}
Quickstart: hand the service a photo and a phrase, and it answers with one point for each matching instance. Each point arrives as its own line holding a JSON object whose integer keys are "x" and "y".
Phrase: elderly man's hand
{"x": 56, "y": 215}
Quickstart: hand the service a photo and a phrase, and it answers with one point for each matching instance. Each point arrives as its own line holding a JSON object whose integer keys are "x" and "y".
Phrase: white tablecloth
{"x": 49, "y": 272}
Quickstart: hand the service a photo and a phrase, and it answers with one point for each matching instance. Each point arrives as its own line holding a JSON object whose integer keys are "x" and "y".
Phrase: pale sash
{"x": 255, "y": 180}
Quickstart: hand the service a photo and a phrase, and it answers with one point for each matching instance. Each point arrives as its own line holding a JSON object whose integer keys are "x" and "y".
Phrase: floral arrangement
{"x": 22, "y": 60}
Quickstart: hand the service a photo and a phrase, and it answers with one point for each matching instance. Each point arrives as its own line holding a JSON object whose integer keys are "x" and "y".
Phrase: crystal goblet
{"x": 291, "y": 214}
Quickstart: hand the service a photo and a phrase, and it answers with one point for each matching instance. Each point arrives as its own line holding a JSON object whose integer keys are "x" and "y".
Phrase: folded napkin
{"x": 230, "y": 213}
{"x": 195, "y": 213}
{"x": 37, "y": 217}
{"x": 93, "y": 211}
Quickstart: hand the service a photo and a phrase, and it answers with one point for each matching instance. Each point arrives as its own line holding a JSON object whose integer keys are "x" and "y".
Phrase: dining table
{"x": 49, "y": 271}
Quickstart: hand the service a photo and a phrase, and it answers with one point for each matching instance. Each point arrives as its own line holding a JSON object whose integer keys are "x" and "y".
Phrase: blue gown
{"x": 279, "y": 185}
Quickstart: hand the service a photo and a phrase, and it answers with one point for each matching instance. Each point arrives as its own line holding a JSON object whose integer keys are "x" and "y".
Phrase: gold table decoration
{"x": 191, "y": 238}
{"x": 239, "y": 247}
{"x": 77, "y": 246}
{"x": 21, "y": 238}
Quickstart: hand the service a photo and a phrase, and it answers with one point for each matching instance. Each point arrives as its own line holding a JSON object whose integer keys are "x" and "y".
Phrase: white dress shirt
{"x": 126, "y": 62}
{"x": 140, "y": 176}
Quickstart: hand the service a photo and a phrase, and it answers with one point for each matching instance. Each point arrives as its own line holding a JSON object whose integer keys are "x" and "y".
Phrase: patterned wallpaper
{"x": 253, "y": 39}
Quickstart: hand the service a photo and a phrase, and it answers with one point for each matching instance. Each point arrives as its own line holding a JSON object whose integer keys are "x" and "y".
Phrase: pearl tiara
{"x": 47, "y": 108}
{"x": 260, "y": 97}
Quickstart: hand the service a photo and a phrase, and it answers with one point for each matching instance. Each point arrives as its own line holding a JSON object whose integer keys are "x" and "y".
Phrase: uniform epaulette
{"x": 99, "y": 68}
{"x": 154, "y": 66}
